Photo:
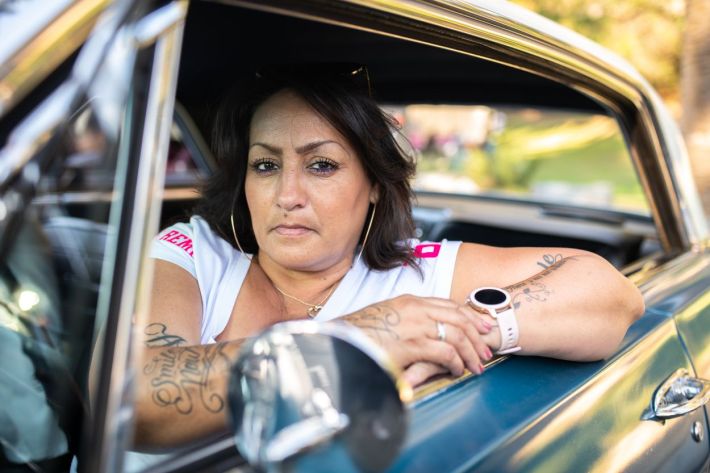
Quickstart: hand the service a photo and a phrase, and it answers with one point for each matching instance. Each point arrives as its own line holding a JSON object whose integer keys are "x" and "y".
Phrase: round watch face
{"x": 490, "y": 297}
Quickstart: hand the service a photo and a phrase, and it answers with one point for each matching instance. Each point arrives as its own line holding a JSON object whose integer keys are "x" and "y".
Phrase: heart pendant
{"x": 313, "y": 310}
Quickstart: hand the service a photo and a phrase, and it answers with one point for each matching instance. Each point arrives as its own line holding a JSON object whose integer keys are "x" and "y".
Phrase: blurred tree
{"x": 656, "y": 36}
{"x": 695, "y": 93}
{"x": 648, "y": 33}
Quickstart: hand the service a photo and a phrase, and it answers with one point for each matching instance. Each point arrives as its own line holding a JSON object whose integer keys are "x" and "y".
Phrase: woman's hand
{"x": 407, "y": 327}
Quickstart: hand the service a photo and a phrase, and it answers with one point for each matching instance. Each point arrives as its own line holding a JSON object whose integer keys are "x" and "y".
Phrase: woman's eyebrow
{"x": 311, "y": 146}
{"x": 269, "y": 148}
{"x": 300, "y": 150}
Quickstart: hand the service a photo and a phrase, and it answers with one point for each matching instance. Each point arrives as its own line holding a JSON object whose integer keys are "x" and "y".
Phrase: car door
{"x": 85, "y": 119}
{"x": 533, "y": 414}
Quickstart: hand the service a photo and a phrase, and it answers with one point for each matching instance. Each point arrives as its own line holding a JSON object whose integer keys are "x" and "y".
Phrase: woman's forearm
{"x": 181, "y": 393}
{"x": 577, "y": 309}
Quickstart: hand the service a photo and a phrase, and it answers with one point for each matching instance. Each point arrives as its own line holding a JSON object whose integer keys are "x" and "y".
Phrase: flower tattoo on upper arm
{"x": 534, "y": 288}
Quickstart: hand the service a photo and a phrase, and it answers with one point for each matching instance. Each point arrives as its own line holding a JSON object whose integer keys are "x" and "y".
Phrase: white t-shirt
{"x": 220, "y": 271}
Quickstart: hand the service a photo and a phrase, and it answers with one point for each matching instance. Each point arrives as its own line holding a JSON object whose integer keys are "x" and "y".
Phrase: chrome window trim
{"x": 558, "y": 54}
{"x": 129, "y": 295}
{"x": 38, "y": 57}
{"x": 36, "y": 129}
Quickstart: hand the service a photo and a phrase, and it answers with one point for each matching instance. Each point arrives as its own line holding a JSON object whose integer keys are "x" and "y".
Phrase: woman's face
{"x": 306, "y": 189}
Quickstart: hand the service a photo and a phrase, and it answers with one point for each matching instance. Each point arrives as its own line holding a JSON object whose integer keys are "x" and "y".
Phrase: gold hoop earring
{"x": 367, "y": 234}
{"x": 234, "y": 234}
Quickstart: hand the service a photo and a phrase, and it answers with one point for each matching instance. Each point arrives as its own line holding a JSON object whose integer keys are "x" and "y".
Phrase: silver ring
{"x": 441, "y": 331}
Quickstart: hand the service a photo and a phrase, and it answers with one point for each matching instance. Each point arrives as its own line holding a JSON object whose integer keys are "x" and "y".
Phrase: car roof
{"x": 240, "y": 40}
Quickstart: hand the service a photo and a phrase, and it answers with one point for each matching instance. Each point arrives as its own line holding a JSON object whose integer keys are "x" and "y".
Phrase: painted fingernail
{"x": 486, "y": 324}
{"x": 489, "y": 353}
{"x": 481, "y": 368}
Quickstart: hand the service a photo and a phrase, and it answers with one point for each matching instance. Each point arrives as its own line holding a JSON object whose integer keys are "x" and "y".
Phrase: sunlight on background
{"x": 667, "y": 41}
{"x": 625, "y": 26}
{"x": 540, "y": 154}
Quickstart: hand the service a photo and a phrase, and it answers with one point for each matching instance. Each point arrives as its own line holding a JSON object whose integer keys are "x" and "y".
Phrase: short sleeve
{"x": 437, "y": 261}
{"x": 444, "y": 273}
{"x": 175, "y": 244}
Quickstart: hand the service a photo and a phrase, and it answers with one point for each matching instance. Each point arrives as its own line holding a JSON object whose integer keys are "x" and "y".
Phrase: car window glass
{"x": 181, "y": 168}
{"x": 541, "y": 154}
{"x": 49, "y": 282}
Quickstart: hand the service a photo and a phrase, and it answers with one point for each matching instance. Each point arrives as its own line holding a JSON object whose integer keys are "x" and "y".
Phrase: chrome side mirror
{"x": 304, "y": 393}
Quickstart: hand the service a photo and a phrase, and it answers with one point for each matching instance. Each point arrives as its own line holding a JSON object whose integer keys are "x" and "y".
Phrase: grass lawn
{"x": 535, "y": 147}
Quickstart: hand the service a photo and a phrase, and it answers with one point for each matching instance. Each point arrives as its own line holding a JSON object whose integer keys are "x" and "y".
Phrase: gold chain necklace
{"x": 313, "y": 309}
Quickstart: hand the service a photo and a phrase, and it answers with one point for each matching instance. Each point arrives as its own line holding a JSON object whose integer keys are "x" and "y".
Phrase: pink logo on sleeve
{"x": 178, "y": 239}
{"x": 427, "y": 250}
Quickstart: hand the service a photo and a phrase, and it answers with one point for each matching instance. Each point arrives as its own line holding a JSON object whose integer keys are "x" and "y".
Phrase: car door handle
{"x": 680, "y": 394}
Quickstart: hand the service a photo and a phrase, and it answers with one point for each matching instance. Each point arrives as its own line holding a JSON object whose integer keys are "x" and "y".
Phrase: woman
{"x": 309, "y": 216}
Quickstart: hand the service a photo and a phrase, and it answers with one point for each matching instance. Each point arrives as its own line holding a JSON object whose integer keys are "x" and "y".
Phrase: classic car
{"x": 525, "y": 134}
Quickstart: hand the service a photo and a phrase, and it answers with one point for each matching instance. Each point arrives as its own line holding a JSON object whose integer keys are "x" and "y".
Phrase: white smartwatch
{"x": 497, "y": 303}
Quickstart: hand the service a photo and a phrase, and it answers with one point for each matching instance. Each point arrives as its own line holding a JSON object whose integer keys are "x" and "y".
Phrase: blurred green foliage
{"x": 534, "y": 151}
{"x": 647, "y": 33}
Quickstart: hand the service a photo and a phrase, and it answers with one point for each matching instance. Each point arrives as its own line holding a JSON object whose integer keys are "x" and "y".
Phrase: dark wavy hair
{"x": 350, "y": 109}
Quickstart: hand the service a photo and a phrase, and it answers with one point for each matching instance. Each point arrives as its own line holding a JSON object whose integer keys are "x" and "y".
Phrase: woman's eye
{"x": 264, "y": 166}
{"x": 323, "y": 166}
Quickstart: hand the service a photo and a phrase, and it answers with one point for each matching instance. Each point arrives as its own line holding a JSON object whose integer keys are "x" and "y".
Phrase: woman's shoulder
{"x": 192, "y": 234}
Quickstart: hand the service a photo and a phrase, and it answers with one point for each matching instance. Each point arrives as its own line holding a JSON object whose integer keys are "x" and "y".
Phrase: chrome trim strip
{"x": 661, "y": 281}
{"x": 678, "y": 162}
{"x": 133, "y": 299}
{"x": 43, "y": 53}
{"x": 81, "y": 197}
{"x": 78, "y": 197}
{"x": 443, "y": 383}
{"x": 158, "y": 22}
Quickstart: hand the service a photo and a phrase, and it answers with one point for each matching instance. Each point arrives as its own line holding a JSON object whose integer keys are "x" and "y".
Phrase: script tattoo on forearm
{"x": 183, "y": 377}
{"x": 157, "y": 336}
{"x": 548, "y": 260}
{"x": 534, "y": 288}
{"x": 379, "y": 321}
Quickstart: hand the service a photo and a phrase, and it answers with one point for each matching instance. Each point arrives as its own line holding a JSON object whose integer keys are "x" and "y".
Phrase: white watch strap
{"x": 508, "y": 327}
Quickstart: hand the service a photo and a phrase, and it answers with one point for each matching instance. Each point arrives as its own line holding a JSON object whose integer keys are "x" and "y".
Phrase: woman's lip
{"x": 291, "y": 230}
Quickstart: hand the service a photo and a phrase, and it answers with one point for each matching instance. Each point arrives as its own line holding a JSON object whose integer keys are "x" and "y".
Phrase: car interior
{"x": 402, "y": 72}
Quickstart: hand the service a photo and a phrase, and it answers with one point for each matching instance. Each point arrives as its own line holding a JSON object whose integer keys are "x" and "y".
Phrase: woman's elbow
{"x": 637, "y": 304}
{"x": 631, "y": 301}
{"x": 626, "y": 301}
{"x": 628, "y": 307}
{"x": 624, "y": 307}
